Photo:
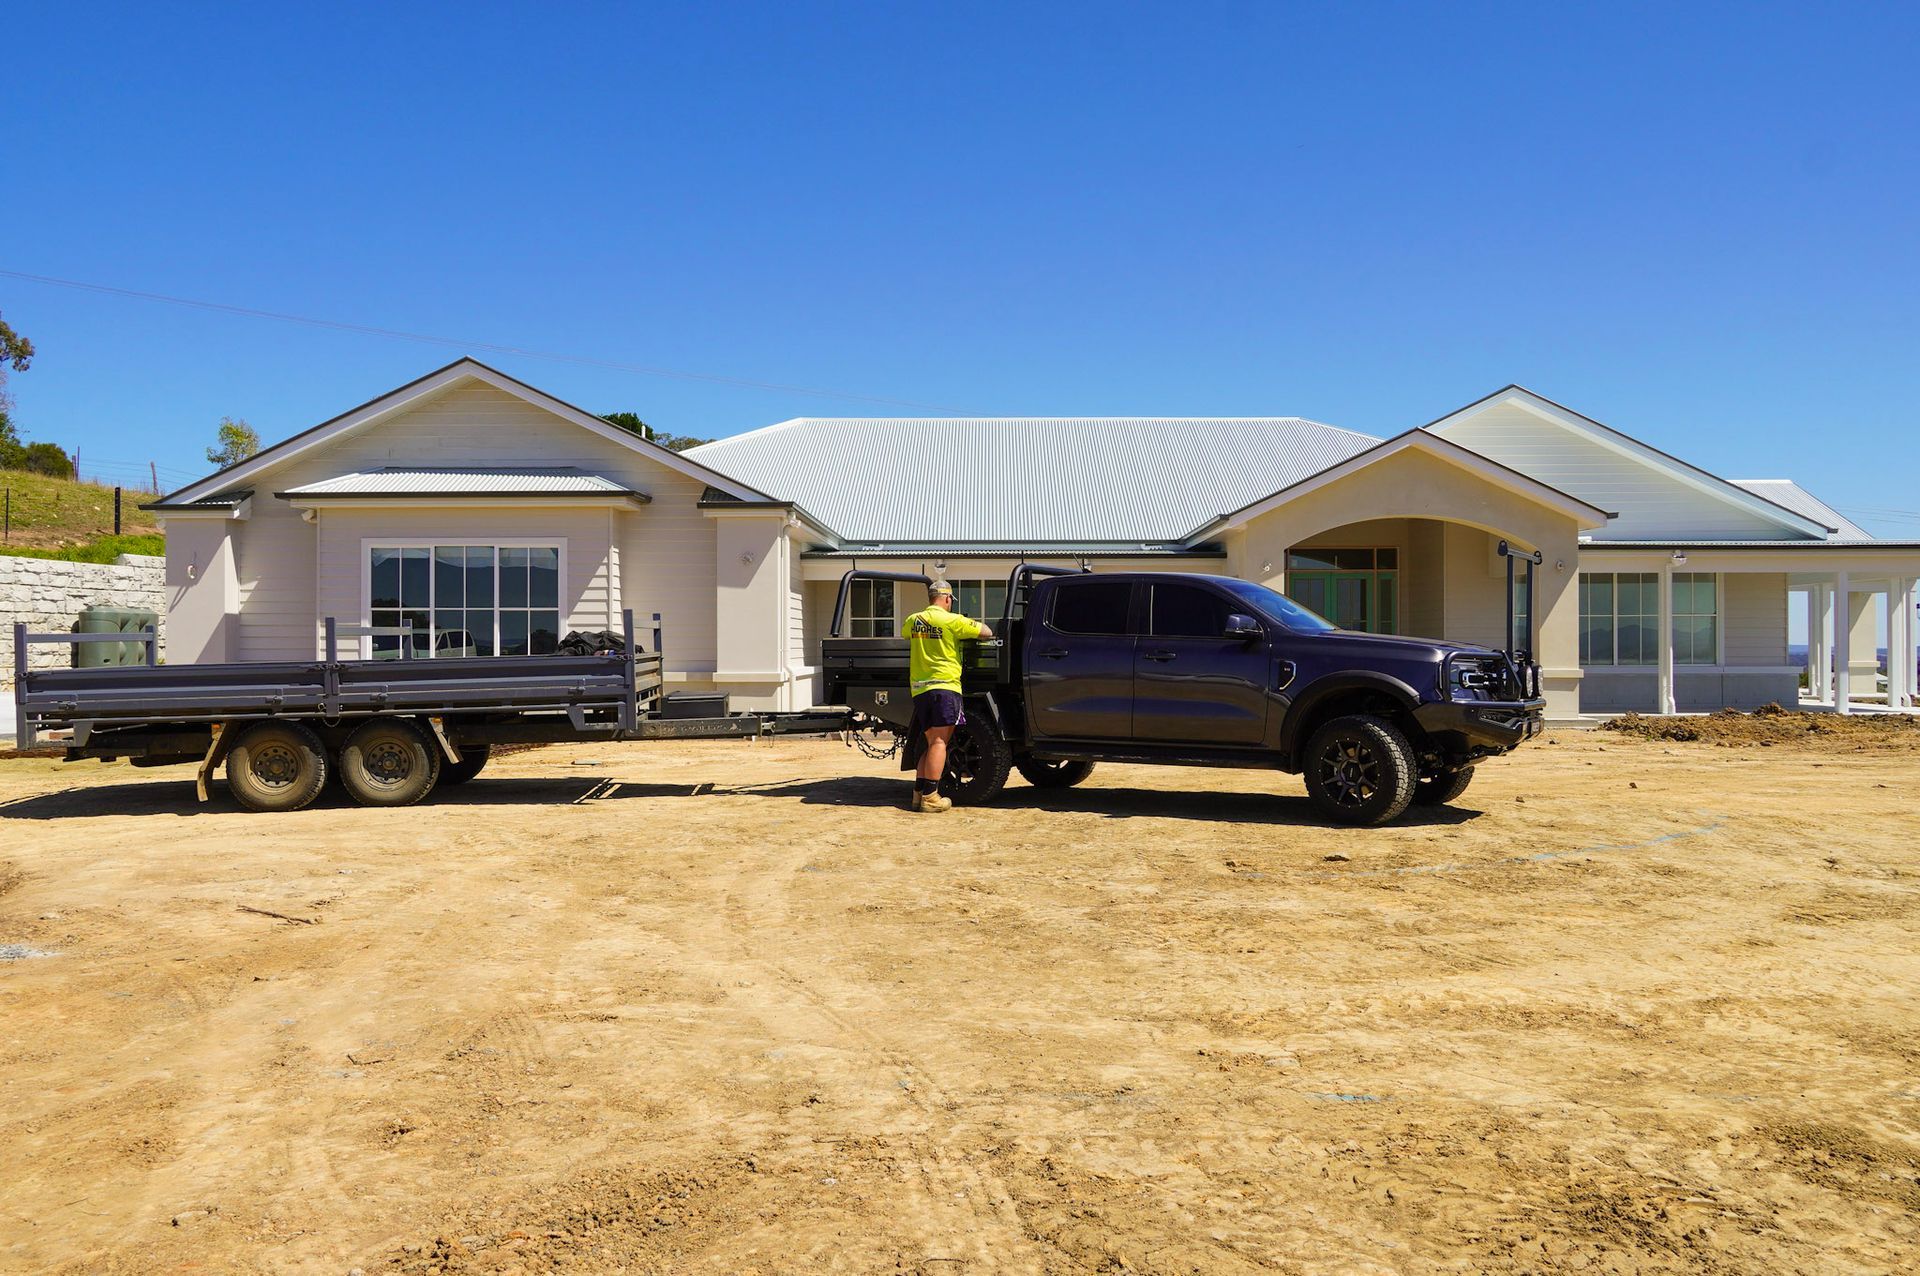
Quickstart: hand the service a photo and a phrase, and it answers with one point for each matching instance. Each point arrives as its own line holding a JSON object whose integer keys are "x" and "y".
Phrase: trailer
{"x": 391, "y": 730}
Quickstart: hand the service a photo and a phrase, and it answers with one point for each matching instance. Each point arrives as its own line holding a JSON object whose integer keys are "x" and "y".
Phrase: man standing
{"x": 933, "y": 664}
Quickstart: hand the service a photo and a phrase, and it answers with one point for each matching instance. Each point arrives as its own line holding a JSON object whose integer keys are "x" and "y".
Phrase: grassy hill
{"x": 72, "y": 519}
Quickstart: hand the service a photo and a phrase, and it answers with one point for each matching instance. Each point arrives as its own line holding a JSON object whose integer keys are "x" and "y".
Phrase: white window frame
{"x": 1661, "y": 579}
{"x": 983, "y": 583}
{"x": 855, "y": 616}
{"x": 370, "y": 543}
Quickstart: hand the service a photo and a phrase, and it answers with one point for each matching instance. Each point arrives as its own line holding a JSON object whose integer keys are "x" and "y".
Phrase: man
{"x": 933, "y": 666}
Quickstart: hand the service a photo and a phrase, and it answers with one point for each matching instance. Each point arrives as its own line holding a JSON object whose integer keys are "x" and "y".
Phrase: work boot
{"x": 931, "y": 803}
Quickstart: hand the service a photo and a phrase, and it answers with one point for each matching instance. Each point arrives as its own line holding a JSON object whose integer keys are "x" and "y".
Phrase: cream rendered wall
{"x": 1650, "y": 504}
{"x": 1753, "y": 618}
{"x": 1863, "y": 650}
{"x": 1413, "y": 483}
{"x": 662, "y": 556}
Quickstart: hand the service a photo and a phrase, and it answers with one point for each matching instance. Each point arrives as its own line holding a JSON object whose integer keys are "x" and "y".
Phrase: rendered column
{"x": 1668, "y": 703}
{"x": 1842, "y": 643}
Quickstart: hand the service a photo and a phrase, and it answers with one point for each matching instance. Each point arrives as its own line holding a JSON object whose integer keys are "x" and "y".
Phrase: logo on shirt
{"x": 921, "y": 629}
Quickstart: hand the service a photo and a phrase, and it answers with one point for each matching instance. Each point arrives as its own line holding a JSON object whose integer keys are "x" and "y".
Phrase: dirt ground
{"x": 1632, "y": 1006}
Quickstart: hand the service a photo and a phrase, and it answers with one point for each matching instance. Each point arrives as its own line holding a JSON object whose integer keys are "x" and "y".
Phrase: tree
{"x": 16, "y": 353}
{"x": 12, "y": 451}
{"x": 238, "y": 441}
{"x": 47, "y": 458}
{"x": 631, "y": 422}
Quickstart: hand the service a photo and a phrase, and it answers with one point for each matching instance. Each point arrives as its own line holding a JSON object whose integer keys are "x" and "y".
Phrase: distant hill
{"x": 56, "y": 514}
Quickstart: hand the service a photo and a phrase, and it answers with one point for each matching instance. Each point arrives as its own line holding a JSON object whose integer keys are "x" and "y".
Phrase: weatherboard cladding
{"x": 558, "y": 480}
{"x": 1076, "y": 480}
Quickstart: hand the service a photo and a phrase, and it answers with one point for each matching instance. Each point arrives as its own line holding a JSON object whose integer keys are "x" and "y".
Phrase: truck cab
{"x": 1192, "y": 670}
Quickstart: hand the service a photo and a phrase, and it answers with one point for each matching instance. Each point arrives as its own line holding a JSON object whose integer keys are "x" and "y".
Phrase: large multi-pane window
{"x": 465, "y": 600}
{"x": 980, "y": 599}
{"x": 1620, "y": 618}
{"x": 870, "y": 610}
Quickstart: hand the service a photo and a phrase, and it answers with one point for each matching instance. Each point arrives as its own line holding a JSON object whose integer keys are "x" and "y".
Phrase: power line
{"x": 456, "y": 343}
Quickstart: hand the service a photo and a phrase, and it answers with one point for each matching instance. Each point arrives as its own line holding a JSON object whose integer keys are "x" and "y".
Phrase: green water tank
{"x": 111, "y": 620}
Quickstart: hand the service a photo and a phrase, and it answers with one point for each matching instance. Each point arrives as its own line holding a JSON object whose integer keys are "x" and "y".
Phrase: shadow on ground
{"x": 176, "y": 797}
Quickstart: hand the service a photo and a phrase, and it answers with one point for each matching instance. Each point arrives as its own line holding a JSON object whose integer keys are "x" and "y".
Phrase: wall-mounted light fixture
{"x": 1679, "y": 558}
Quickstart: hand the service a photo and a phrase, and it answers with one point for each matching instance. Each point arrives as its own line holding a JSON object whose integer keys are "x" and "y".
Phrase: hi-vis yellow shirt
{"x": 933, "y": 651}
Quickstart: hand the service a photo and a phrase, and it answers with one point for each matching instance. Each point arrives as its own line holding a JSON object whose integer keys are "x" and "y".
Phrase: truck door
{"x": 1193, "y": 685}
{"x": 1079, "y": 662}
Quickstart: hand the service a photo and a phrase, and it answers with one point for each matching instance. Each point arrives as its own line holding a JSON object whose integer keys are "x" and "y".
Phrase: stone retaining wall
{"x": 48, "y": 595}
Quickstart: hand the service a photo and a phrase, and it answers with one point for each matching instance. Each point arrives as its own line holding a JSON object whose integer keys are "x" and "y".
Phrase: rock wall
{"x": 48, "y": 595}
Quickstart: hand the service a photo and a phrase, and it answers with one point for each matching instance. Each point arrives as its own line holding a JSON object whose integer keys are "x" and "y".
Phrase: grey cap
{"x": 939, "y": 587}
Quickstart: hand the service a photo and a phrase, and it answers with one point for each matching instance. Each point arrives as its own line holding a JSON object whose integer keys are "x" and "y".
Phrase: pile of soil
{"x": 1771, "y": 725}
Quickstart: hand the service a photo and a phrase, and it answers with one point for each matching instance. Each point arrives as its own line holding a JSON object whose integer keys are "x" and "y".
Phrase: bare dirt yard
{"x": 1632, "y": 1006}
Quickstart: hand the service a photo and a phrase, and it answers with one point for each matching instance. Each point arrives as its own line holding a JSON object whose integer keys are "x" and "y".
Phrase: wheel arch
{"x": 1360, "y": 691}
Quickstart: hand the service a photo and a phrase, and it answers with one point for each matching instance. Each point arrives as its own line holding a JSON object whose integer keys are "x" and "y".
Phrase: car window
{"x": 1091, "y": 606}
{"x": 1187, "y": 611}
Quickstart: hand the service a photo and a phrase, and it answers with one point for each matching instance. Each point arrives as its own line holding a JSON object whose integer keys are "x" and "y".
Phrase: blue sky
{"x": 1693, "y": 223}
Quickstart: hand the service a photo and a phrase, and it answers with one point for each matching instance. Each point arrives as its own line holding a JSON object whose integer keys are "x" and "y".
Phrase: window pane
{"x": 883, "y": 598}
{"x": 449, "y": 575}
{"x": 1188, "y": 611}
{"x": 385, "y": 583}
{"x": 544, "y": 636}
{"x": 479, "y": 624}
{"x": 1389, "y": 619}
{"x": 1092, "y": 607}
{"x": 995, "y": 602}
{"x": 422, "y": 625}
{"x": 1353, "y": 560}
{"x": 385, "y": 648}
{"x": 1387, "y": 559}
{"x": 415, "y": 584}
{"x": 450, "y": 634}
{"x": 1629, "y": 595}
{"x": 480, "y": 576}
{"x": 543, "y": 589}
{"x": 1693, "y": 641}
{"x": 513, "y": 633}
{"x": 1310, "y": 560}
{"x": 513, "y": 577}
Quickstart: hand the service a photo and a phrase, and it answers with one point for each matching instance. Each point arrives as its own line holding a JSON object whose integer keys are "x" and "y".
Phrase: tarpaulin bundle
{"x": 594, "y": 642}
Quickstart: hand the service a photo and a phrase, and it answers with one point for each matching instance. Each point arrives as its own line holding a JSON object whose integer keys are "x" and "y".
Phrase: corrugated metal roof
{"x": 1077, "y": 480}
{"x": 1804, "y": 503}
{"x": 407, "y": 481}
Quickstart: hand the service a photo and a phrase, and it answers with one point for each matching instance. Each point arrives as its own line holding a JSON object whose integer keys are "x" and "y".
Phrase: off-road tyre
{"x": 276, "y": 766}
{"x": 1360, "y": 770}
{"x": 473, "y": 758}
{"x": 389, "y": 762}
{"x": 1442, "y": 788}
{"x": 979, "y": 759}
{"x": 1044, "y": 774}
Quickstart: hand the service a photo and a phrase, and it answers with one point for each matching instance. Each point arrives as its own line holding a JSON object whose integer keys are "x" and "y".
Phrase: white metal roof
{"x": 1077, "y": 480}
{"x": 1804, "y": 503}
{"x": 465, "y": 481}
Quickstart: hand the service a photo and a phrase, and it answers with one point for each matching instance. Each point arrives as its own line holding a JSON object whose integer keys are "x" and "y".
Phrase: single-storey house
{"x": 492, "y": 517}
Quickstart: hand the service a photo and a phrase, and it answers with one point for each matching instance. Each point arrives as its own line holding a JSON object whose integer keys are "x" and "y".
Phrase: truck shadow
{"x": 1209, "y": 807}
{"x": 176, "y": 798}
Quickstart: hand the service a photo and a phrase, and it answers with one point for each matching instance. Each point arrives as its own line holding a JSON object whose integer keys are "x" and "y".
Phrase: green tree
{"x": 238, "y": 441}
{"x": 16, "y": 354}
{"x": 631, "y": 422}
{"x": 47, "y": 458}
{"x": 12, "y": 450}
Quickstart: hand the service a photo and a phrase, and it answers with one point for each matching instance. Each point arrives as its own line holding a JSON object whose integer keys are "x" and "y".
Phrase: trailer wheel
{"x": 473, "y": 757}
{"x": 1360, "y": 770}
{"x": 276, "y": 766}
{"x": 1442, "y": 788}
{"x": 389, "y": 762}
{"x": 978, "y": 760}
{"x": 1045, "y": 774}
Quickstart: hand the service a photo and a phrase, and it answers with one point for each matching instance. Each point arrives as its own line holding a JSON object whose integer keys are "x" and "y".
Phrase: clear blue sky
{"x": 1695, "y": 223}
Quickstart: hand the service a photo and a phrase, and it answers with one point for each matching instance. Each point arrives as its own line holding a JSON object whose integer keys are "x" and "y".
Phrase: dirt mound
{"x": 1771, "y": 725}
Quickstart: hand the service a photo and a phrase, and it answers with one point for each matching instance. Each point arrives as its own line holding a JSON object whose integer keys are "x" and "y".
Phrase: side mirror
{"x": 1239, "y": 626}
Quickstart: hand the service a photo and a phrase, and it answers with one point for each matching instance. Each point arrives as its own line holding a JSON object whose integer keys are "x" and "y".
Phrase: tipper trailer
{"x": 391, "y": 729}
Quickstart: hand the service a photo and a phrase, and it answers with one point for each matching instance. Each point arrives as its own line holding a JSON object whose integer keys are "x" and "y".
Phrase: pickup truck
{"x": 1192, "y": 670}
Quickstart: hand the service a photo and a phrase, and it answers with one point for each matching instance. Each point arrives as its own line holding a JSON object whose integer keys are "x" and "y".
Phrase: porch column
{"x": 1826, "y": 645}
{"x": 1841, "y": 617}
{"x": 1900, "y": 672}
{"x": 1667, "y": 702}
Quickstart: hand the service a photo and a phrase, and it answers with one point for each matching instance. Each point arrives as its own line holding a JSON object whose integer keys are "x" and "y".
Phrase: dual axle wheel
{"x": 283, "y": 766}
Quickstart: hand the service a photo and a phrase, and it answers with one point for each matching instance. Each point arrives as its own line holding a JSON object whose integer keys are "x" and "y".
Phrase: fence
{"x": 48, "y": 595}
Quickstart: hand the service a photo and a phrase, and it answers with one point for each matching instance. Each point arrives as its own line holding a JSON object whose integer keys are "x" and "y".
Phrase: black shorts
{"x": 935, "y": 709}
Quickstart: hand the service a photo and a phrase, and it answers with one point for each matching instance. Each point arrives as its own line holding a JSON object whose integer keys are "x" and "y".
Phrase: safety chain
{"x": 858, "y": 739}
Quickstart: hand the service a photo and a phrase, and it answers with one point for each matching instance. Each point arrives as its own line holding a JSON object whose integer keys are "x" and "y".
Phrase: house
{"x": 493, "y": 517}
